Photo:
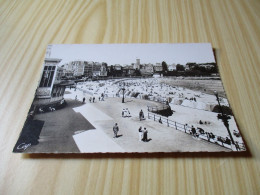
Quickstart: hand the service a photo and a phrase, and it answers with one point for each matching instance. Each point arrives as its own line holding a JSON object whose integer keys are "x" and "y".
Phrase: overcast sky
{"x": 127, "y": 53}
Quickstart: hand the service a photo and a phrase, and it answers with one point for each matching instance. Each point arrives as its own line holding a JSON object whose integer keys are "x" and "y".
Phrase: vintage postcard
{"x": 129, "y": 98}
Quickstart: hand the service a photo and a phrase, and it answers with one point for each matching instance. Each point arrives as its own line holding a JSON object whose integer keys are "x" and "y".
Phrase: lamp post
{"x": 123, "y": 89}
{"x": 224, "y": 118}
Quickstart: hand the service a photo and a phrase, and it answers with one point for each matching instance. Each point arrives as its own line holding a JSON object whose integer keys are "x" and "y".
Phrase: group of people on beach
{"x": 91, "y": 99}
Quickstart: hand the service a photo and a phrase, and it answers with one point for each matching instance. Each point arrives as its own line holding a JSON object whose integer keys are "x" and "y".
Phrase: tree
{"x": 180, "y": 67}
{"x": 137, "y": 72}
{"x": 172, "y": 73}
{"x": 164, "y": 67}
{"x": 111, "y": 71}
{"x": 226, "y": 110}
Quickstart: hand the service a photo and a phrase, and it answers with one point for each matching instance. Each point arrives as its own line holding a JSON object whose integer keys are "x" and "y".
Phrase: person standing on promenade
{"x": 115, "y": 130}
{"x": 145, "y": 135}
{"x": 127, "y": 112}
{"x": 123, "y": 112}
{"x": 141, "y": 115}
{"x": 83, "y": 101}
{"x": 140, "y": 133}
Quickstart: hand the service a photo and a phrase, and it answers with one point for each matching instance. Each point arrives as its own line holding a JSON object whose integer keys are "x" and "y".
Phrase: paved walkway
{"x": 59, "y": 127}
{"x": 95, "y": 140}
{"x": 88, "y": 128}
{"x": 104, "y": 114}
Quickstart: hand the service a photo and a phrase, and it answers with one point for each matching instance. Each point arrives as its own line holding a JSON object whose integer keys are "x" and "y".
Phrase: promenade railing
{"x": 201, "y": 134}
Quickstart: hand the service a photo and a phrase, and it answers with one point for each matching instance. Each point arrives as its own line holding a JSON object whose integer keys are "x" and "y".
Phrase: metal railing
{"x": 209, "y": 137}
{"x": 170, "y": 123}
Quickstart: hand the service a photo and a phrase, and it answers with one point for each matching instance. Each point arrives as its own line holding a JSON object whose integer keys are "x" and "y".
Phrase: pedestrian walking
{"x": 123, "y": 112}
{"x": 90, "y": 99}
{"x": 93, "y": 99}
{"x": 145, "y": 135}
{"x": 115, "y": 130}
{"x": 76, "y": 97}
{"x": 141, "y": 115}
{"x": 83, "y": 101}
{"x": 140, "y": 133}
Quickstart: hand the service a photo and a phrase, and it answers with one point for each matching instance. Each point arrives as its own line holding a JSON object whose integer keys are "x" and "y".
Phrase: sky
{"x": 128, "y": 53}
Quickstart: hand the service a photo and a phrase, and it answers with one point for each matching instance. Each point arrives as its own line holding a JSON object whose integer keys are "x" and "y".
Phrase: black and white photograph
{"x": 129, "y": 98}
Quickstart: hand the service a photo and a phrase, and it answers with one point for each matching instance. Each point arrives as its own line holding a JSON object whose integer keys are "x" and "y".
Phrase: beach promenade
{"x": 104, "y": 114}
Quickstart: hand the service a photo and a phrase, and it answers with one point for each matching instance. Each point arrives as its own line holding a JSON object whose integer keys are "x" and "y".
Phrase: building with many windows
{"x": 128, "y": 70}
{"x": 92, "y": 69}
{"x": 51, "y": 88}
{"x": 73, "y": 69}
{"x": 103, "y": 70}
{"x": 146, "y": 69}
{"x": 77, "y": 67}
{"x": 157, "y": 67}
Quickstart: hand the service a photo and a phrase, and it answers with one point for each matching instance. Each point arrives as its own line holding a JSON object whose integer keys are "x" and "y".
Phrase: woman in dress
{"x": 145, "y": 135}
{"x": 140, "y": 133}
